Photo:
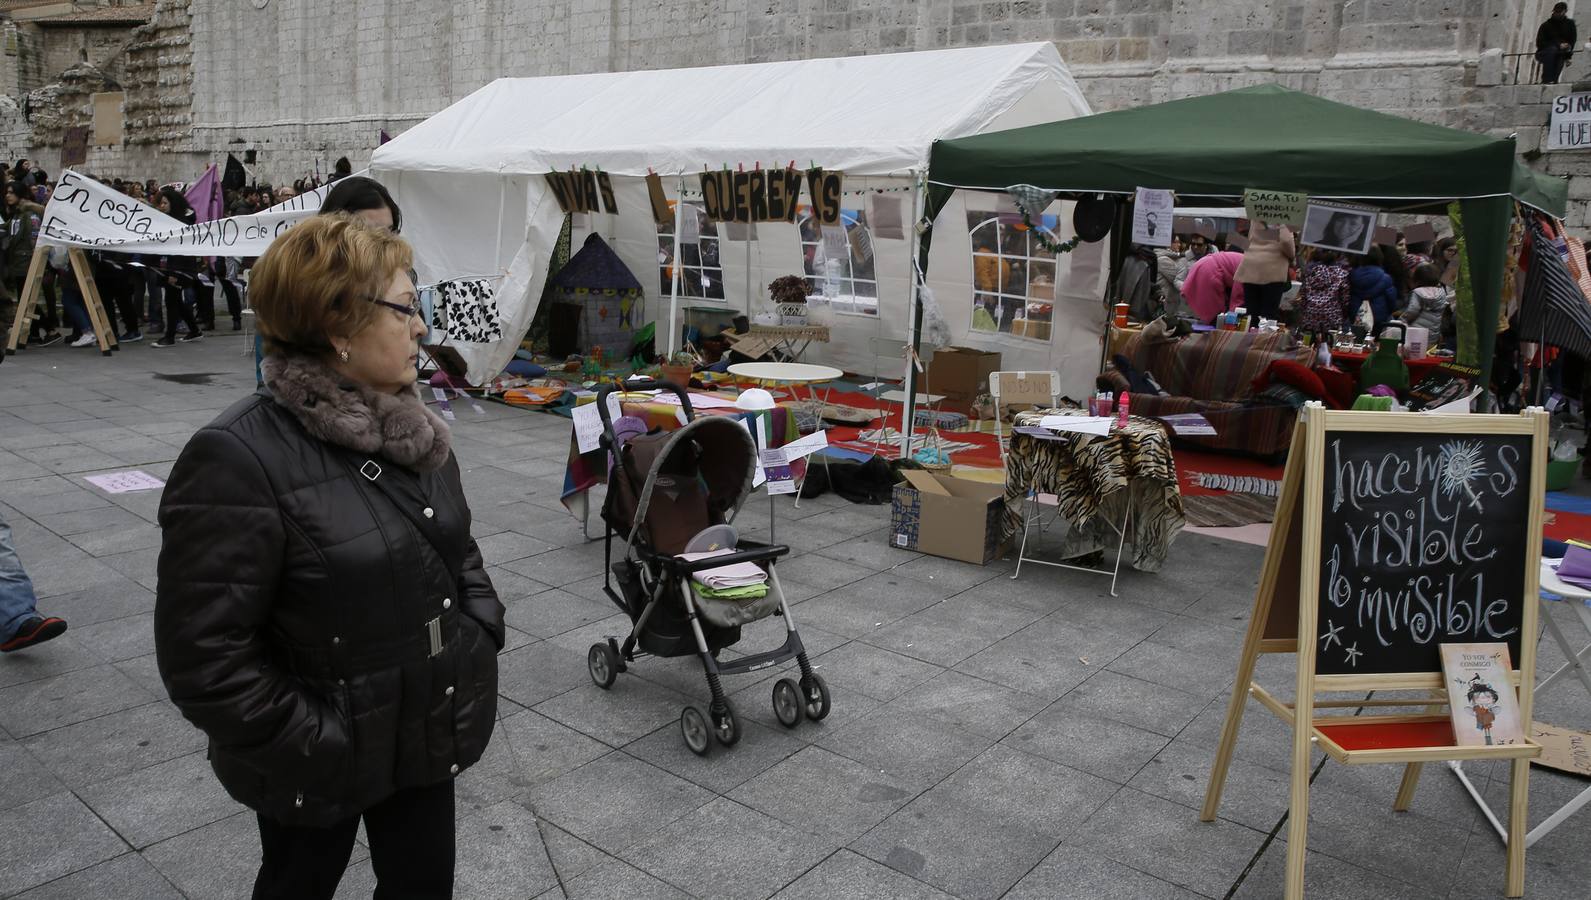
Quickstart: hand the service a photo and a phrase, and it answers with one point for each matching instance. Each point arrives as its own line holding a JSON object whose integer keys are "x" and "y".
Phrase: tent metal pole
{"x": 669, "y": 344}
{"x": 914, "y": 315}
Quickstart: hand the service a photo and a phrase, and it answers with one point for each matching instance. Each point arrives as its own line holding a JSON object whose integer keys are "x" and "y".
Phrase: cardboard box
{"x": 960, "y": 374}
{"x": 949, "y": 517}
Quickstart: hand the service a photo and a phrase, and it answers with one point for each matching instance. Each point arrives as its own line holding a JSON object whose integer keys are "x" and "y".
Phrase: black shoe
{"x": 53, "y": 337}
{"x": 163, "y": 343}
{"x": 36, "y": 630}
{"x": 190, "y": 338}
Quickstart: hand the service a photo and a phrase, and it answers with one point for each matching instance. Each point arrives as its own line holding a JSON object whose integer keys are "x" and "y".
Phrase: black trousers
{"x": 411, "y": 849}
{"x": 1263, "y": 300}
{"x": 177, "y": 311}
{"x": 234, "y": 303}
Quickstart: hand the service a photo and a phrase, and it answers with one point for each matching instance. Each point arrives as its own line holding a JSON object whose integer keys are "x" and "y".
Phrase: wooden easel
{"x": 27, "y": 304}
{"x": 1293, "y": 572}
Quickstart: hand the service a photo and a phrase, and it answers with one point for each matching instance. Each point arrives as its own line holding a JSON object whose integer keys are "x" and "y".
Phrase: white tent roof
{"x": 863, "y": 115}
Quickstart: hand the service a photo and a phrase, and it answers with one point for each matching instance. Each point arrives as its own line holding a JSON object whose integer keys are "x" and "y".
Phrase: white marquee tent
{"x": 470, "y": 180}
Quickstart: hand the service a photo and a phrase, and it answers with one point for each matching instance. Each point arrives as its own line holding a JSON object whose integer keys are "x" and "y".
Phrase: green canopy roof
{"x": 1258, "y": 137}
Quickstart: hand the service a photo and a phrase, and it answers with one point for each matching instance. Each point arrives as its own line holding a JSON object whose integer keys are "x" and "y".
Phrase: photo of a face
{"x": 1343, "y": 228}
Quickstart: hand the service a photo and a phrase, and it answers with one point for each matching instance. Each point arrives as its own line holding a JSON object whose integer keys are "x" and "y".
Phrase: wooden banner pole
{"x": 32, "y": 288}
{"x": 84, "y": 272}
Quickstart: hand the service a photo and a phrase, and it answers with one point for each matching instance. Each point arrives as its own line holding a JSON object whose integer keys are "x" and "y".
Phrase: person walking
{"x": 176, "y": 274}
{"x": 21, "y": 626}
{"x": 22, "y": 217}
{"x": 1555, "y": 43}
{"x": 338, "y": 641}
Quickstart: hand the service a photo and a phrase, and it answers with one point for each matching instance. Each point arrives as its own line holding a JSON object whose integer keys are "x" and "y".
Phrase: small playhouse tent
{"x": 477, "y": 204}
{"x": 1210, "y": 149}
{"x": 594, "y": 299}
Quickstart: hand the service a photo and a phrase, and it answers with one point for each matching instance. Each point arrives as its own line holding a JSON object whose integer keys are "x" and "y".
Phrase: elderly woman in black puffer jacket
{"x": 323, "y": 614}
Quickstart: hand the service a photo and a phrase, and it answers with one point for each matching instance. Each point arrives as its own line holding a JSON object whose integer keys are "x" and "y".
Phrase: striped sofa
{"x": 1212, "y": 373}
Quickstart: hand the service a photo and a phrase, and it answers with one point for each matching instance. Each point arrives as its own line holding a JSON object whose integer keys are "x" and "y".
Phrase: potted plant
{"x": 789, "y": 296}
{"x": 677, "y": 368}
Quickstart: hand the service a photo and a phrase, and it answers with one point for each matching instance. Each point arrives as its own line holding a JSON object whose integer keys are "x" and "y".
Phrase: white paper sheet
{"x": 776, "y": 465}
{"x": 806, "y": 446}
{"x": 1095, "y": 425}
{"x": 588, "y": 423}
{"x": 698, "y": 401}
{"x": 125, "y": 482}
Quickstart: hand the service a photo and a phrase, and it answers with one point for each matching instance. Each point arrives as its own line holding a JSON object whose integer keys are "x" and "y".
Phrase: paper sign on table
{"x": 588, "y": 424}
{"x": 776, "y": 466}
{"x": 1151, "y": 217}
{"x": 1562, "y": 748}
{"x": 812, "y": 443}
{"x": 125, "y": 482}
{"x": 1096, "y": 425}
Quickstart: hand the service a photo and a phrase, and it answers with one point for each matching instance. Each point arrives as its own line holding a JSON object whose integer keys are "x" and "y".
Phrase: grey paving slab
{"x": 878, "y": 673}
{"x": 1141, "y": 704}
{"x": 954, "y": 573}
{"x": 871, "y": 550}
{"x": 969, "y": 703}
{"x": 757, "y": 855}
{"x": 952, "y": 630}
{"x": 542, "y": 749}
{"x": 145, "y": 672}
{"x": 1186, "y": 671}
{"x": 547, "y": 613}
{"x": 845, "y": 875}
{"x": 500, "y": 855}
{"x": 821, "y": 572}
{"x": 981, "y": 830}
{"x": 760, "y": 747}
{"x": 215, "y": 860}
{"x": 115, "y": 744}
{"x": 570, "y": 856}
{"x": 64, "y": 654}
{"x": 50, "y": 838}
{"x": 1254, "y": 795}
{"x": 116, "y": 598}
{"x": 1071, "y": 871}
{"x": 161, "y": 801}
{"x": 128, "y": 875}
{"x": 905, "y": 746}
{"x": 1078, "y": 738}
{"x": 23, "y": 778}
{"x": 631, "y": 709}
{"x": 1329, "y": 876}
{"x": 824, "y": 794}
{"x": 535, "y": 672}
{"x": 616, "y": 878}
{"x": 872, "y": 603}
{"x": 508, "y": 546}
{"x": 119, "y": 639}
{"x": 38, "y": 706}
{"x": 616, "y": 800}
{"x": 1162, "y": 839}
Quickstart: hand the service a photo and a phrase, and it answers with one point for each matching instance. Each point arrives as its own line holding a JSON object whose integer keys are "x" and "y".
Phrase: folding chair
{"x": 1031, "y": 388}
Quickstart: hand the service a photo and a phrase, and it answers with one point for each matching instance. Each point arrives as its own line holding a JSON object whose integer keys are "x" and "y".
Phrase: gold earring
{"x": 342, "y": 355}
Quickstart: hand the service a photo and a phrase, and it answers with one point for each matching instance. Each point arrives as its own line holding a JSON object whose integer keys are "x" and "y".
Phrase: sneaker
{"x": 131, "y": 337}
{"x": 36, "y": 630}
{"x": 163, "y": 344}
{"x": 188, "y": 338}
{"x": 47, "y": 340}
{"x": 87, "y": 340}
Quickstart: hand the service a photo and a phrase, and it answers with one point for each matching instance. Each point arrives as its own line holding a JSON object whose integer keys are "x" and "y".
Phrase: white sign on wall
{"x": 1570, "y": 127}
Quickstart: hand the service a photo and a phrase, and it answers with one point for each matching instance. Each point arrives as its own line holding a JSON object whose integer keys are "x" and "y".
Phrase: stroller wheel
{"x": 728, "y": 729}
{"x": 817, "y": 694}
{"x": 787, "y": 703}
{"x": 603, "y": 664}
{"x": 693, "y": 725}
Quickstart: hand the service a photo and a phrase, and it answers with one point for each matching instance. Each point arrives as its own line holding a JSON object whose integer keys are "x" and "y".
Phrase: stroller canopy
{"x": 719, "y": 449}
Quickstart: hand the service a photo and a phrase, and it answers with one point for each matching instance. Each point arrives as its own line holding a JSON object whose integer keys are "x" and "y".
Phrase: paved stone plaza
{"x": 990, "y": 738}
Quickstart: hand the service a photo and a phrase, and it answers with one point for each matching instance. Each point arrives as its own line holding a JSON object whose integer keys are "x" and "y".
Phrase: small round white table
{"x": 792, "y": 374}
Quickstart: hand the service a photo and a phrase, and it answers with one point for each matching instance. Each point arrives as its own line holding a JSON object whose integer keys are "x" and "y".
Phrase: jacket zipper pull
{"x": 298, "y": 801}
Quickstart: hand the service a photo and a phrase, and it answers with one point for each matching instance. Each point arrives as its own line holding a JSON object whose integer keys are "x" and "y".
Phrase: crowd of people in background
{"x": 171, "y": 298}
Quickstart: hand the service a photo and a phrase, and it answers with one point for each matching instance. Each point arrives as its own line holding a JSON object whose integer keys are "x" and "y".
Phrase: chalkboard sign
{"x": 1423, "y": 542}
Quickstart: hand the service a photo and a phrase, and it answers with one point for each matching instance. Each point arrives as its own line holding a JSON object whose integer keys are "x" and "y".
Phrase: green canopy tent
{"x": 1210, "y": 149}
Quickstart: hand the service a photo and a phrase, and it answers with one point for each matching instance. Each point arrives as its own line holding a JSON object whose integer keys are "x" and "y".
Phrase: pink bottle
{"x": 1121, "y": 411}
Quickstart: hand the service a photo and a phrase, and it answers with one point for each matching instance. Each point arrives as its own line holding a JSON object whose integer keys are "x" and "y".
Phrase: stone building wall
{"x": 304, "y": 83}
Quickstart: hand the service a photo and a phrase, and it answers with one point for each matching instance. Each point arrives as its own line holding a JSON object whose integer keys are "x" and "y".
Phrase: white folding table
{"x": 1554, "y": 591}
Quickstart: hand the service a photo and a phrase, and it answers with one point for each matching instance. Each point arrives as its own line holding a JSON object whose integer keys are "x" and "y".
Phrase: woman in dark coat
{"x": 323, "y": 614}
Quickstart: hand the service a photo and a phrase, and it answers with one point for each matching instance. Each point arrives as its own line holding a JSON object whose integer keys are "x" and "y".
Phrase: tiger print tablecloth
{"x": 1095, "y": 478}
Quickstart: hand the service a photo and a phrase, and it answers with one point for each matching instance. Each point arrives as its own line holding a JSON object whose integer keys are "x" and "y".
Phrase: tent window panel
{"x": 702, "y": 272}
{"x": 839, "y": 262}
{"x": 1013, "y": 276}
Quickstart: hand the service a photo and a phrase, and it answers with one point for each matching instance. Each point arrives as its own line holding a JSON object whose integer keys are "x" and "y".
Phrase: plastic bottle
{"x": 1121, "y": 411}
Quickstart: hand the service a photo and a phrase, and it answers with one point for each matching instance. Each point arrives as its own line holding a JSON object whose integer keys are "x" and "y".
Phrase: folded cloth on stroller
{"x": 731, "y": 576}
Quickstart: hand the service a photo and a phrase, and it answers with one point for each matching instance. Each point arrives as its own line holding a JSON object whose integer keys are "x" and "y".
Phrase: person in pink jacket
{"x": 1212, "y": 287}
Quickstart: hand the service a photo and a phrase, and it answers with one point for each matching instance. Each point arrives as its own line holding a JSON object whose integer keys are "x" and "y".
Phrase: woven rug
{"x": 1228, "y": 510}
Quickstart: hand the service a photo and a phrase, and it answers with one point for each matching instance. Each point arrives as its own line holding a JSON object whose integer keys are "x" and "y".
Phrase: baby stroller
{"x": 677, "y": 492}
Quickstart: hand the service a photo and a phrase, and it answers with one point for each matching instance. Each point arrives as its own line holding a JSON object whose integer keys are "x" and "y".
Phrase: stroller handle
{"x": 639, "y": 384}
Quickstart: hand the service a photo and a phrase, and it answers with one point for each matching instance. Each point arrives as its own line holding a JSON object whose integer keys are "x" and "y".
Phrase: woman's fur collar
{"x": 397, "y": 426}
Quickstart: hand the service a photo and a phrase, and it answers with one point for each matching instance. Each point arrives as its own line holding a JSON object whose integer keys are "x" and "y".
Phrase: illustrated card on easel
{"x": 1480, "y": 696}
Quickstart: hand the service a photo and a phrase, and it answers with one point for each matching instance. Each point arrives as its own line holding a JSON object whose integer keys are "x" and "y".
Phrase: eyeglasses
{"x": 412, "y": 310}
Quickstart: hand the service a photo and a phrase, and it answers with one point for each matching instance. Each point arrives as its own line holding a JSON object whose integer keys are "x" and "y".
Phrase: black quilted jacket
{"x": 335, "y": 635}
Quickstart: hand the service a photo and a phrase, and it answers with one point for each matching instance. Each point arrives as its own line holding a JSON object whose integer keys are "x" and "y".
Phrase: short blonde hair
{"x": 314, "y": 282}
